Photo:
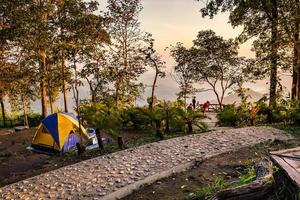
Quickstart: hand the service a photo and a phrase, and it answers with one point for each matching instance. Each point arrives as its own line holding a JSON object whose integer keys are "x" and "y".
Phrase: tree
{"x": 259, "y": 18}
{"x": 76, "y": 22}
{"x": 126, "y": 59}
{"x": 291, "y": 23}
{"x": 5, "y": 85}
{"x": 98, "y": 80}
{"x": 215, "y": 61}
{"x": 29, "y": 27}
{"x": 17, "y": 82}
{"x": 154, "y": 60}
{"x": 182, "y": 72}
{"x": 84, "y": 30}
{"x": 23, "y": 92}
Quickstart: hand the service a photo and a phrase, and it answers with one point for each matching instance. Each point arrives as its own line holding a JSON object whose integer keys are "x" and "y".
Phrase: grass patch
{"x": 207, "y": 192}
{"x": 218, "y": 184}
{"x": 249, "y": 176}
{"x": 291, "y": 129}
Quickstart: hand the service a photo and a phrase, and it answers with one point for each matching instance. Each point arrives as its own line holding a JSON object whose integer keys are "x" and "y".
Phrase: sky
{"x": 172, "y": 21}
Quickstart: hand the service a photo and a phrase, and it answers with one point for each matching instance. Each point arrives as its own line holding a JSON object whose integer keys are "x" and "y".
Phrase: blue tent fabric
{"x": 50, "y": 124}
{"x": 70, "y": 142}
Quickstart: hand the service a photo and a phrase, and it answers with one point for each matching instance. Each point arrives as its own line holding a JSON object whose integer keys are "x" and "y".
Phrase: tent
{"x": 58, "y": 133}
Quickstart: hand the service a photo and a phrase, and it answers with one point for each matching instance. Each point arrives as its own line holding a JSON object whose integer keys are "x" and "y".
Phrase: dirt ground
{"x": 18, "y": 163}
{"x": 226, "y": 166}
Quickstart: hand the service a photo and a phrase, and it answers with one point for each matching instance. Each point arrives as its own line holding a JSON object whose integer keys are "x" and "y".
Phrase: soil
{"x": 18, "y": 163}
{"x": 226, "y": 166}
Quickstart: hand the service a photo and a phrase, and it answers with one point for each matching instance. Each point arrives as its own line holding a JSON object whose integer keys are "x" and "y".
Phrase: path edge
{"x": 129, "y": 189}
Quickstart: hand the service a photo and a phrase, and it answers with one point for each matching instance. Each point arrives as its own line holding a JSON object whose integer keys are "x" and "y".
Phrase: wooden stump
{"x": 259, "y": 189}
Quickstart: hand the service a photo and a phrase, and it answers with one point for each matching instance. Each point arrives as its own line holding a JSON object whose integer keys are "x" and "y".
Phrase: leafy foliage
{"x": 275, "y": 28}
{"x": 247, "y": 114}
{"x": 212, "y": 60}
{"x": 163, "y": 118}
{"x": 103, "y": 117}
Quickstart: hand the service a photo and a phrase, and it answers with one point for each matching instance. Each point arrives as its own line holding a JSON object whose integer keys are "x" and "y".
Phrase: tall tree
{"x": 154, "y": 60}
{"x": 98, "y": 79}
{"x": 24, "y": 90}
{"x": 291, "y": 23}
{"x": 84, "y": 30}
{"x": 125, "y": 52}
{"x": 258, "y": 18}
{"x": 182, "y": 73}
{"x": 216, "y": 62}
{"x": 33, "y": 33}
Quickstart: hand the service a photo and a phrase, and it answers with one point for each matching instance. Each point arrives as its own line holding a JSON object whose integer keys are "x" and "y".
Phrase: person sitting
{"x": 190, "y": 107}
{"x": 206, "y": 106}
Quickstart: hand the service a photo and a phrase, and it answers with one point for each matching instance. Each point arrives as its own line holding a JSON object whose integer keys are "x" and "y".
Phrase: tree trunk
{"x": 153, "y": 86}
{"x": 43, "y": 69}
{"x": 51, "y": 104}
{"x": 294, "y": 93}
{"x": 167, "y": 130}
{"x": 25, "y": 111}
{"x": 49, "y": 86}
{"x": 159, "y": 134}
{"x": 117, "y": 92}
{"x": 64, "y": 86}
{"x": 190, "y": 127}
{"x": 77, "y": 99}
{"x": 296, "y": 61}
{"x": 99, "y": 138}
{"x": 50, "y": 97}
{"x": 274, "y": 54}
{"x": 93, "y": 93}
{"x": 3, "y": 111}
{"x": 120, "y": 143}
{"x": 261, "y": 188}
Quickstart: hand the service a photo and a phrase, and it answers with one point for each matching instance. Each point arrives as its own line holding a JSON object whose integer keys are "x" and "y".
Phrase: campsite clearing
{"x": 134, "y": 166}
{"x": 18, "y": 163}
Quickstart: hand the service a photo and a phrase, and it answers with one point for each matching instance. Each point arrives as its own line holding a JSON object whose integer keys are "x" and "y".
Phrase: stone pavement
{"x": 211, "y": 120}
{"x": 100, "y": 177}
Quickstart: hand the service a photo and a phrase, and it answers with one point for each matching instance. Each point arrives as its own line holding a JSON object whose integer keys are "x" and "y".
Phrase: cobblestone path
{"x": 98, "y": 177}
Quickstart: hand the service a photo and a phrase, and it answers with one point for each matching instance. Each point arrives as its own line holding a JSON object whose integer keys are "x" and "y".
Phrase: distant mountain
{"x": 253, "y": 96}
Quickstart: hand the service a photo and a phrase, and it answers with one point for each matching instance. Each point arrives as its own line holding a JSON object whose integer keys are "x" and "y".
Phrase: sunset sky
{"x": 172, "y": 21}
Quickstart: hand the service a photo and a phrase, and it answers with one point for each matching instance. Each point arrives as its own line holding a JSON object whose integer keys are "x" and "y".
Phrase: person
{"x": 194, "y": 102}
{"x": 190, "y": 107}
{"x": 206, "y": 106}
{"x": 198, "y": 104}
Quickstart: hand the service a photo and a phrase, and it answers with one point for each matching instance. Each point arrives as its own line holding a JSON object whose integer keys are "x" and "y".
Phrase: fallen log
{"x": 259, "y": 189}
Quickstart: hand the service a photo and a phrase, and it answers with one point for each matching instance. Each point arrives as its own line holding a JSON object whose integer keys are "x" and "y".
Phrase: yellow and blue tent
{"x": 58, "y": 133}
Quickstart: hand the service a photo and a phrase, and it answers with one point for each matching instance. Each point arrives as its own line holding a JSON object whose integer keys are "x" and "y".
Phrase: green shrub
{"x": 132, "y": 118}
{"x": 34, "y": 119}
{"x": 98, "y": 115}
{"x": 227, "y": 116}
{"x": 295, "y": 116}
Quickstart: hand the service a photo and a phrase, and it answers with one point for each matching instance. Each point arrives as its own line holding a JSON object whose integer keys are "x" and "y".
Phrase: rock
{"x": 118, "y": 180}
